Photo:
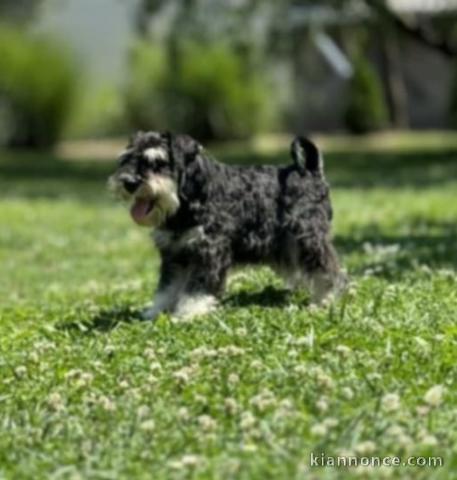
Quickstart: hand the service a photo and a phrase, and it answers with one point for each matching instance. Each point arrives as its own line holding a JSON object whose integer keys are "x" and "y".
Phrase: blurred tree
{"x": 262, "y": 30}
{"x": 366, "y": 108}
{"x": 208, "y": 99}
{"x": 19, "y": 11}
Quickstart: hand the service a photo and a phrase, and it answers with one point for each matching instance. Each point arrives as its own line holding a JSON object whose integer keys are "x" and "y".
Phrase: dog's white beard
{"x": 165, "y": 194}
{"x": 155, "y": 200}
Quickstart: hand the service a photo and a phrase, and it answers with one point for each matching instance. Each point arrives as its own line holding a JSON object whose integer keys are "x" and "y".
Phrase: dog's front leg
{"x": 172, "y": 282}
{"x": 206, "y": 280}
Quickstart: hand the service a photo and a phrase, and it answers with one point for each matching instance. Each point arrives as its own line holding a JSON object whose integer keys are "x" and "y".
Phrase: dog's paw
{"x": 192, "y": 306}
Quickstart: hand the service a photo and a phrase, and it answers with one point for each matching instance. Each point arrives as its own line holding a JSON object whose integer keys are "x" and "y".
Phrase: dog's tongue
{"x": 140, "y": 209}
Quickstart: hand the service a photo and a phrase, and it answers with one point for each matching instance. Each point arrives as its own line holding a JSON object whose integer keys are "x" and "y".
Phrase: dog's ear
{"x": 183, "y": 149}
{"x": 186, "y": 146}
{"x": 306, "y": 156}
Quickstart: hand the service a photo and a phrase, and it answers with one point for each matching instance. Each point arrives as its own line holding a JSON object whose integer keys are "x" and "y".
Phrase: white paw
{"x": 191, "y": 306}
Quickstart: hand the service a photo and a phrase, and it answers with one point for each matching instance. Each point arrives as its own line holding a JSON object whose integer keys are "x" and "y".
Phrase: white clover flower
{"x": 106, "y": 403}
{"x": 395, "y": 430}
{"x": 390, "y": 402}
{"x": 149, "y": 353}
{"x": 84, "y": 380}
{"x": 347, "y": 393}
{"x": 74, "y": 373}
{"x": 155, "y": 366}
{"x": 300, "y": 369}
{"x": 190, "y": 460}
{"x": 201, "y": 399}
{"x": 231, "y": 351}
{"x": 143, "y": 411}
{"x": 55, "y": 401}
{"x": 98, "y": 365}
{"x": 343, "y": 350}
{"x": 109, "y": 349}
{"x": 423, "y": 410}
{"x": 231, "y": 405}
{"x": 434, "y": 396}
{"x": 175, "y": 465}
{"x": 322, "y": 404}
{"x": 405, "y": 441}
{"x": 233, "y": 379}
{"x": 241, "y": 332}
{"x": 323, "y": 379}
{"x": 124, "y": 384}
{"x": 256, "y": 365}
{"x": 20, "y": 371}
{"x": 344, "y": 452}
{"x": 286, "y": 404}
{"x": 292, "y": 353}
{"x": 319, "y": 430}
{"x": 183, "y": 413}
{"x": 248, "y": 420}
{"x": 364, "y": 448}
{"x": 249, "y": 448}
{"x": 206, "y": 423}
{"x": 429, "y": 441}
{"x": 423, "y": 344}
{"x": 34, "y": 357}
{"x": 203, "y": 352}
{"x": 306, "y": 341}
{"x": 147, "y": 425}
{"x": 151, "y": 379}
{"x": 263, "y": 400}
{"x": 331, "y": 422}
{"x": 183, "y": 375}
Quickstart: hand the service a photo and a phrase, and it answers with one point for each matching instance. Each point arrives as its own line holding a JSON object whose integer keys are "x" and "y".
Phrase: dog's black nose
{"x": 129, "y": 183}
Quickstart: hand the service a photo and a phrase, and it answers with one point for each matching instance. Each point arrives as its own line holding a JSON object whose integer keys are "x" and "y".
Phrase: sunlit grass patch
{"x": 89, "y": 390}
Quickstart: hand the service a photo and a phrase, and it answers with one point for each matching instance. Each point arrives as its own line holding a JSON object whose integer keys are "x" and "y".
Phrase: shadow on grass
{"x": 44, "y": 176}
{"x": 269, "y": 297}
{"x": 105, "y": 320}
{"x": 109, "y": 319}
{"x": 430, "y": 243}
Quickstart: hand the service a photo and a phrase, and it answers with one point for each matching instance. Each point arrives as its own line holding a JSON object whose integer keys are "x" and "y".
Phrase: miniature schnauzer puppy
{"x": 208, "y": 217}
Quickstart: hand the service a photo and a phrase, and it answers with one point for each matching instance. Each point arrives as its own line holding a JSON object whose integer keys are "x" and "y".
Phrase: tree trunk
{"x": 397, "y": 93}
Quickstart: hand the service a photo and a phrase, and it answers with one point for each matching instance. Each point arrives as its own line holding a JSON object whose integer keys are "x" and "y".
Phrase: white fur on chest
{"x": 166, "y": 239}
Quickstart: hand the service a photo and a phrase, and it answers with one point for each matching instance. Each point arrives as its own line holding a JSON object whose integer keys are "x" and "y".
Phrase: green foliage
{"x": 37, "y": 89}
{"x": 98, "y": 114}
{"x": 206, "y": 90}
{"x": 366, "y": 109}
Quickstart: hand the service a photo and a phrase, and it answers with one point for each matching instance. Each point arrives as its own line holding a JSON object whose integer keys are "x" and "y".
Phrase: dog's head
{"x": 149, "y": 175}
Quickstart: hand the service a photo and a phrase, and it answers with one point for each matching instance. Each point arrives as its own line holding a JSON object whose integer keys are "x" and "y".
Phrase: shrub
{"x": 99, "y": 113}
{"x": 37, "y": 89}
{"x": 366, "y": 109}
{"x": 207, "y": 91}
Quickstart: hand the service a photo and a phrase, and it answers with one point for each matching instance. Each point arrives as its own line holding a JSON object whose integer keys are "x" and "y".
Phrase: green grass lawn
{"x": 87, "y": 391}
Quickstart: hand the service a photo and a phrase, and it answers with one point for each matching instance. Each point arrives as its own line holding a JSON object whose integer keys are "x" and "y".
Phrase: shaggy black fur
{"x": 278, "y": 216}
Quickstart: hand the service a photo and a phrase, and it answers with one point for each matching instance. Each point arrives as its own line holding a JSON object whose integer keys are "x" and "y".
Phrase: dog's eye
{"x": 158, "y": 164}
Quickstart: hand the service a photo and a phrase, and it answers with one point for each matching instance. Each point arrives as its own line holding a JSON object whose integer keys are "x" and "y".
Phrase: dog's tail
{"x": 306, "y": 156}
